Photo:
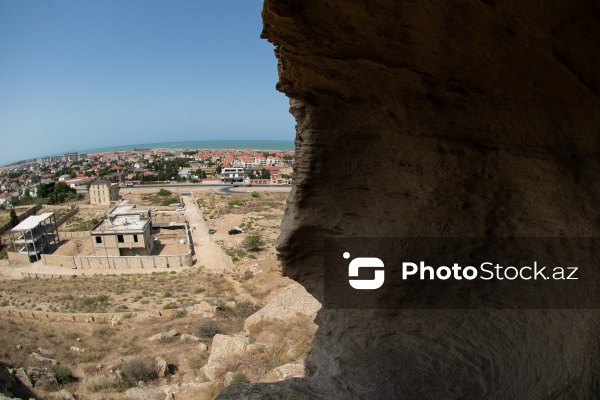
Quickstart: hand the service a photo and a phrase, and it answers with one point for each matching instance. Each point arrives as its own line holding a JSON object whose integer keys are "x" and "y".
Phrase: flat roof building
{"x": 123, "y": 235}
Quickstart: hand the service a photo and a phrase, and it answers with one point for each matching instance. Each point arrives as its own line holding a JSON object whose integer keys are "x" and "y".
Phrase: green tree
{"x": 14, "y": 220}
{"x": 265, "y": 174}
{"x": 254, "y": 242}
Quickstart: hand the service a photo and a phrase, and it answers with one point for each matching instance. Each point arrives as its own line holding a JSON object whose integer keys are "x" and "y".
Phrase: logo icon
{"x": 365, "y": 262}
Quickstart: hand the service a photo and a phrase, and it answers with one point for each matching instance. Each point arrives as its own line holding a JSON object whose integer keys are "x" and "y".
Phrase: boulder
{"x": 202, "y": 347}
{"x": 203, "y": 308}
{"x": 45, "y": 352}
{"x": 287, "y": 304}
{"x": 163, "y": 336}
{"x": 189, "y": 338}
{"x": 284, "y": 372}
{"x": 162, "y": 366}
{"x": 41, "y": 375}
{"x": 40, "y": 358}
{"x": 223, "y": 347}
{"x": 61, "y": 395}
{"x": 22, "y": 376}
{"x": 139, "y": 393}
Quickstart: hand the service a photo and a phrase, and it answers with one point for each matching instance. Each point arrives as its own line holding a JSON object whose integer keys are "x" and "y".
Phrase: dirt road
{"x": 207, "y": 253}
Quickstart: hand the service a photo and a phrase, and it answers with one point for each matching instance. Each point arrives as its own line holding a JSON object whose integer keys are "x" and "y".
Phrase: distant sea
{"x": 279, "y": 145}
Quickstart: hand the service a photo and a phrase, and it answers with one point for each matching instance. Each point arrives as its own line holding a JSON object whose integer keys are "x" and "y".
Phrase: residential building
{"x": 34, "y": 235}
{"x": 185, "y": 174}
{"x": 123, "y": 235}
{"x": 5, "y": 199}
{"x": 232, "y": 174}
{"x": 103, "y": 192}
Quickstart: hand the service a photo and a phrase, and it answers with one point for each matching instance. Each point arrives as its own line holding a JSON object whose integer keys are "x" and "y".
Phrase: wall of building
{"x": 103, "y": 194}
{"x": 18, "y": 257}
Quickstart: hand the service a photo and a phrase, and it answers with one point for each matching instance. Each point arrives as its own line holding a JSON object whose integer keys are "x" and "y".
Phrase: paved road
{"x": 207, "y": 253}
{"x": 246, "y": 189}
{"x": 200, "y": 185}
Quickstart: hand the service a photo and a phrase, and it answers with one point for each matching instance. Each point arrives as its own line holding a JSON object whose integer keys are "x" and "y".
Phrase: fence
{"x": 75, "y": 235}
{"x": 167, "y": 218}
{"x": 122, "y": 262}
{"x": 18, "y": 257}
{"x": 21, "y": 217}
{"x": 98, "y": 318}
{"x": 65, "y": 217}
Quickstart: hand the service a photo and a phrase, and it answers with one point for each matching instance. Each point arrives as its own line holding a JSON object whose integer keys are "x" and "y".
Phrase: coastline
{"x": 256, "y": 145}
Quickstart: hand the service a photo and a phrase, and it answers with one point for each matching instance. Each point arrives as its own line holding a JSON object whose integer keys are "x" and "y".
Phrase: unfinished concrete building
{"x": 123, "y": 235}
{"x": 35, "y": 235}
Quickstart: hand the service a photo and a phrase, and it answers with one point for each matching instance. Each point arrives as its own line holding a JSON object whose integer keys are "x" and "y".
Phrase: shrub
{"x": 140, "y": 369}
{"x": 255, "y": 194}
{"x": 164, "y": 192}
{"x": 247, "y": 275}
{"x": 64, "y": 375}
{"x": 235, "y": 202}
{"x": 238, "y": 378}
{"x": 208, "y": 328}
{"x": 169, "y": 201}
{"x": 254, "y": 242}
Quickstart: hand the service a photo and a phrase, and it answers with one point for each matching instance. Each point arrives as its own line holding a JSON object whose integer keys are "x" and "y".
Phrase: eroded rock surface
{"x": 476, "y": 118}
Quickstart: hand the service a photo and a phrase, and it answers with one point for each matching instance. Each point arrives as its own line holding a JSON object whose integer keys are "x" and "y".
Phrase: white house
{"x": 5, "y": 199}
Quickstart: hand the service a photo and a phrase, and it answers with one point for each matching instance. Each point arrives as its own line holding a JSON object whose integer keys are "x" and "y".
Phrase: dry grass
{"x": 115, "y": 293}
{"x": 289, "y": 342}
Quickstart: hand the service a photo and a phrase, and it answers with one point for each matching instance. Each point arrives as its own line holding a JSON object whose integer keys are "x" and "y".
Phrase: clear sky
{"x": 79, "y": 74}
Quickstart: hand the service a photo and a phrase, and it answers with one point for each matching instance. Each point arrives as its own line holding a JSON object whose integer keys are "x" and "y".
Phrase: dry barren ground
{"x": 123, "y": 350}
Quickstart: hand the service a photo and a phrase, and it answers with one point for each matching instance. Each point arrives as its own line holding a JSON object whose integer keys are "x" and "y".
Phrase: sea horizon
{"x": 257, "y": 145}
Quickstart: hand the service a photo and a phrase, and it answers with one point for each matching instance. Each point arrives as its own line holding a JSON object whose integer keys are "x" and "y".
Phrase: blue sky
{"x": 79, "y": 74}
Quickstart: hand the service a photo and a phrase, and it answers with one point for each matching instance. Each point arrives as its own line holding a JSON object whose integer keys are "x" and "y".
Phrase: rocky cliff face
{"x": 429, "y": 118}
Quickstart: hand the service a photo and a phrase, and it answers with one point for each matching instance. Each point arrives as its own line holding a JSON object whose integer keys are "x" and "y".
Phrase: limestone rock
{"x": 139, "y": 393}
{"x": 41, "y": 375}
{"x": 258, "y": 347}
{"x": 202, "y": 347}
{"x": 162, "y": 366}
{"x": 203, "y": 308}
{"x": 77, "y": 349}
{"x": 61, "y": 395}
{"x": 22, "y": 376}
{"x": 40, "y": 358}
{"x": 223, "y": 347}
{"x": 287, "y": 304}
{"x": 284, "y": 372}
{"x": 420, "y": 119}
{"x": 45, "y": 352}
{"x": 163, "y": 336}
{"x": 189, "y": 338}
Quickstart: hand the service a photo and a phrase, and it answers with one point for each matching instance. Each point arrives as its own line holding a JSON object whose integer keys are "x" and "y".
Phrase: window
{"x": 135, "y": 239}
{"x": 120, "y": 238}
{"x": 98, "y": 239}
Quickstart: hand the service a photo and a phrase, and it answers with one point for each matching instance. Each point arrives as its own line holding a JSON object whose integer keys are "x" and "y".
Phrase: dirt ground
{"x": 239, "y": 292}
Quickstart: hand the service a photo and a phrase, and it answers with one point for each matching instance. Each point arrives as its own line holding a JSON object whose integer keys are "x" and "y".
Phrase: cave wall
{"x": 435, "y": 118}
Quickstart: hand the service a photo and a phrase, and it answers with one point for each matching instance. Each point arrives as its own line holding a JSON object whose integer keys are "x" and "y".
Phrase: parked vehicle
{"x": 234, "y": 231}
{"x": 180, "y": 208}
{"x": 212, "y": 231}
